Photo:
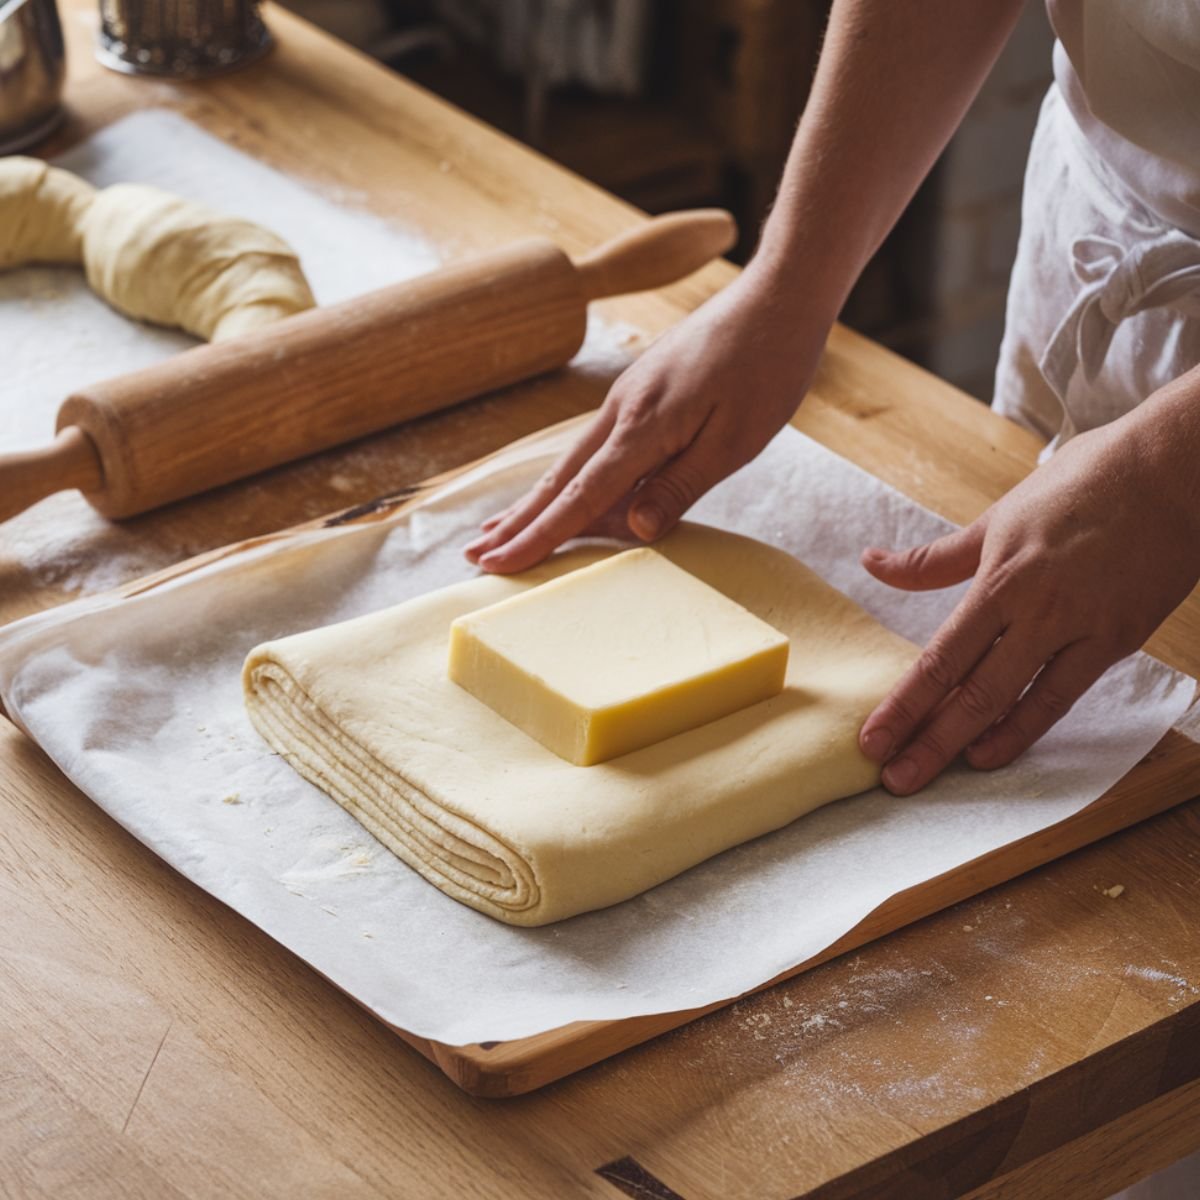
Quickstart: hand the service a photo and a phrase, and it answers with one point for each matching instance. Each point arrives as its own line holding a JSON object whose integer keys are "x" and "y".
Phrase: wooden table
{"x": 1041, "y": 1040}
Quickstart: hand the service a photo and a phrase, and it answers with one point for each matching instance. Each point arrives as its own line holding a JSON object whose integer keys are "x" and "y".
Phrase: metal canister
{"x": 185, "y": 39}
{"x": 32, "y": 67}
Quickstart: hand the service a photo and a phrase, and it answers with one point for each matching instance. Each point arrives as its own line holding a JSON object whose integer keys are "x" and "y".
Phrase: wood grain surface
{"x": 1041, "y": 1040}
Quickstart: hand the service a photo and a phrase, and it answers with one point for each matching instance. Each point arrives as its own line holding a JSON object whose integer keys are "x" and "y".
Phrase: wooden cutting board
{"x": 1168, "y": 775}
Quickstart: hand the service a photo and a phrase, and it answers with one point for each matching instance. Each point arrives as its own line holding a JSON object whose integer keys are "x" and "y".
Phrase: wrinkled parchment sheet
{"x": 138, "y": 701}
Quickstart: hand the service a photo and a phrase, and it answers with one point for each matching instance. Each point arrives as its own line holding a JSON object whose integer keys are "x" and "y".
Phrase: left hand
{"x": 1074, "y": 569}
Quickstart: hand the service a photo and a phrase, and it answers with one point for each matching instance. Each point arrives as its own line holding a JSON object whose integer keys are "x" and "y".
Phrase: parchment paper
{"x": 138, "y": 701}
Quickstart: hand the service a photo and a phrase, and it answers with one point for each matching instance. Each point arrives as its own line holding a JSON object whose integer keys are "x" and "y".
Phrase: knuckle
{"x": 634, "y": 410}
{"x": 575, "y": 494}
{"x": 901, "y": 713}
{"x": 1056, "y": 607}
{"x": 916, "y": 558}
{"x": 937, "y": 666}
{"x": 1006, "y": 573}
{"x": 643, "y": 422}
{"x": 552, "y": 480}
{"x": 630, "y": 437}
{"x": 1005, "y": 743}
{"x": 1015, "y": 731}
{"x": 678, "y": 488}
{"x": 977, "y": 700}
{"x": 1052, "y": 703}
{"x": 931, "y": 747}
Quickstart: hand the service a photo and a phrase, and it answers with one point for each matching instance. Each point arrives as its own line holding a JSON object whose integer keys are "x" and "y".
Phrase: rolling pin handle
{"x": 657, "y": 252}
{"x": 70, "y": 461}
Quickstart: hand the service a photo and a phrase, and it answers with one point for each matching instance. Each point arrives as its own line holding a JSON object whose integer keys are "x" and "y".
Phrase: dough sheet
{"x": 365, "y": 710}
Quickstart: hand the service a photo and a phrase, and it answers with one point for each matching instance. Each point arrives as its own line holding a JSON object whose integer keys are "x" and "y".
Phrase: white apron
{"x": 1104, "y": 302}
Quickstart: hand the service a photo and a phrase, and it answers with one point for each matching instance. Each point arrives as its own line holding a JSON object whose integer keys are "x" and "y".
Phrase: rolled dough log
{"x": 151, "y": 255}
{"x": 41, "y": 212}
{"x": 365, "y": 710}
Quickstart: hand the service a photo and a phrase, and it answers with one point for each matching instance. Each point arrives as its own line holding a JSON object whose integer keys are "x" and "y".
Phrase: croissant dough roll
{"x": 41, "y": 212}
{"x": 175, "y": 262}
{"x": 150, "y": 254}
{"x": 365, "y": 711}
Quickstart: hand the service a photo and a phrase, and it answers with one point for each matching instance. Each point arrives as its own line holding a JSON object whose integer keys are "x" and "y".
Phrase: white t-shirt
{"x": 1129, "y": 71}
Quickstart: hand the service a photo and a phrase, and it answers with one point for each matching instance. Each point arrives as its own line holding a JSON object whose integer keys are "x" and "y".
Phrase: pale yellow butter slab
{"x": 616, "y": 656}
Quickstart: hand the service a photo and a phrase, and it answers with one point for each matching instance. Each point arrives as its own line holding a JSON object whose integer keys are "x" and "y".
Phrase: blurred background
{"x": 675, "y": 103}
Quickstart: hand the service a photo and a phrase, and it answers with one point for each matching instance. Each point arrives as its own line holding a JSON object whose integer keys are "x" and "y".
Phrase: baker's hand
{"x": 1074, "y": 569}
{"x": 701, "y": 402}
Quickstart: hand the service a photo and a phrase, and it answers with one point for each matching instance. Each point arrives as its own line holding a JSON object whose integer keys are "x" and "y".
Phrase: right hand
{"x": 700, "y": 403}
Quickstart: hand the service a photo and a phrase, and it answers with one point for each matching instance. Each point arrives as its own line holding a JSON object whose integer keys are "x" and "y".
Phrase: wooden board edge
{"x": 506, "y": 1069}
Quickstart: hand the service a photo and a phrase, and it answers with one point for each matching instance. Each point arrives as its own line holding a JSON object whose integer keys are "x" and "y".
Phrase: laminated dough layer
{"x": 365, "y": 711}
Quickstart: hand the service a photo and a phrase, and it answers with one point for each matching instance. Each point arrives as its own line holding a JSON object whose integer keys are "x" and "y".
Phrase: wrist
{"x": 790, "y": 290}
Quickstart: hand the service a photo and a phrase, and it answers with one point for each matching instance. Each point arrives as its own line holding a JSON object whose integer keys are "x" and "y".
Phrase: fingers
{"x": 603, "y": 480}
{"x": 508, "y": 523}
{"x": 981, "y": 699}
{"x": 614, "y": 523}
{"x": 1062, "y": 681}
{"x": 937, "y": 564}
{"x": 667, "y": 494}
{"x": 952, "y": 654}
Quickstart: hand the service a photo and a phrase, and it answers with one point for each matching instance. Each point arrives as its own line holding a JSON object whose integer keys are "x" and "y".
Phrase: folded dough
{"x": 150, "y": 254}
{"x": 365, "y": 710}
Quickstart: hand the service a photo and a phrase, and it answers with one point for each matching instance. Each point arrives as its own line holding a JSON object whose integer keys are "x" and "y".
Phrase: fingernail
{"x": 648, "y": 520}
{"x": 877, "y": 744}
{"x": 489, "y": 560}
{"x": 900, "y": 775}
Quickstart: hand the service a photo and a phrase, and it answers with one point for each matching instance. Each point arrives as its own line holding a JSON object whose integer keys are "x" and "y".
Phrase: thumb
{"x": 936, "y": 564}
{"x": 667, "y": 494}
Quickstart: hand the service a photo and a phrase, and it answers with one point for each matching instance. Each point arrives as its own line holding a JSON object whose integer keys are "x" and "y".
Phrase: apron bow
{"x": 1163, "y": 271}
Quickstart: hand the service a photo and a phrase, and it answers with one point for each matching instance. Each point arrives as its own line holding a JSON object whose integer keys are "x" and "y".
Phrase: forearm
{"x": 892, "y": 84}
{"x": 1163, "y": 435}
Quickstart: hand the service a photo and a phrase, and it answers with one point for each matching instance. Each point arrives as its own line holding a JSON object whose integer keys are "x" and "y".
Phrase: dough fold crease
{"x": 453, "y": 854}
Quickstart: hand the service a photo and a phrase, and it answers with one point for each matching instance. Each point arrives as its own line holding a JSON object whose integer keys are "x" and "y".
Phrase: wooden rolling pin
{"x": 216, "y": 413}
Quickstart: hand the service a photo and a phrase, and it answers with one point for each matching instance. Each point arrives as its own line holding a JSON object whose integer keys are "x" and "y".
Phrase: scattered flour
{"x": 820, "y": 1032}
{"x": 325, "y": 862}
{"x": 1182, "y": 988}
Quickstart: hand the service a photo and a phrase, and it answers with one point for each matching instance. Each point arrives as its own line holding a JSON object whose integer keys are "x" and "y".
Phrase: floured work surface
{"x": 57, "y": 336}
{"x": 138, "y": 700}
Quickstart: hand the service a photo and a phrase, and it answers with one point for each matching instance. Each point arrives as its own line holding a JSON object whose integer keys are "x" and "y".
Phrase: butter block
{"x": 616, "y": 656}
